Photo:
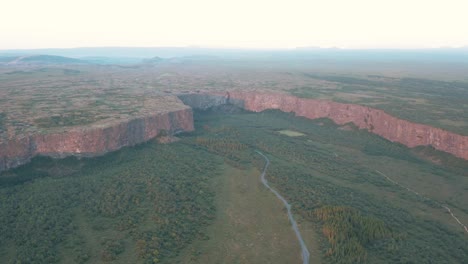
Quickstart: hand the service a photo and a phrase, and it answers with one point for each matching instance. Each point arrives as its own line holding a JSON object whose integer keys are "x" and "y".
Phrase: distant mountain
{"x": 157, "y": 55}
{"x": 124, "y": 52}
{"x": 39, "y": 60}
{"x": 5, "y": 59}
{"x": 111, "y": 60}
{"x": 154, "y": 60}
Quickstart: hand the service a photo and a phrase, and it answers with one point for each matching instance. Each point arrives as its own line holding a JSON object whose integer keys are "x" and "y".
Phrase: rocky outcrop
{"x": 95, "y": 140}
{"x": 374, "y": 120}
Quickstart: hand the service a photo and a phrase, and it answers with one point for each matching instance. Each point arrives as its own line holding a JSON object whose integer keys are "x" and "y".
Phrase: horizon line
{"x": 244, "y": 48}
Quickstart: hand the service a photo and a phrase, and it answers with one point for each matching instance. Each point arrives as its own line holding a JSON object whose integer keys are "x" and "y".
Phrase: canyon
{"x": 374, "y": 120}
{"x": 98, "y": 139}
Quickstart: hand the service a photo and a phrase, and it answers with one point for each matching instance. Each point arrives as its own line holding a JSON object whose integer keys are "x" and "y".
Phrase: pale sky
{"x": 234, "y": 23}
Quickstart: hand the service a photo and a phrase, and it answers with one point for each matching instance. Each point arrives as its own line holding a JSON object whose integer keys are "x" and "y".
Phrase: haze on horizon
{"x": 28, "y": 24}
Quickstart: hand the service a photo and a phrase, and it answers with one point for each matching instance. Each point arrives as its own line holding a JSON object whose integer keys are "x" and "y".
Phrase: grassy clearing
{"x": 291, "y": 133}
{"x": 251, "y": 225}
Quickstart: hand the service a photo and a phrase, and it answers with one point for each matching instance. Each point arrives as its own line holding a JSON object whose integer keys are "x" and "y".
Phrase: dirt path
{"x": 305, "y": 252}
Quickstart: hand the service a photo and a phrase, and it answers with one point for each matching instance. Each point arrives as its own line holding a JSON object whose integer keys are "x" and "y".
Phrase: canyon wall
{"x": 95, "y": 140}
{"x": 204, "y": 101}
{"x": 99, "y": 139}
{"x": 374, "y": 120}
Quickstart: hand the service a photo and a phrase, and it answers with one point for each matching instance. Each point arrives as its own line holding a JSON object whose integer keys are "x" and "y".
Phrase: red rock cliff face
{"x": 98, "y": 140}
{"x": 95, "y": 140}
{"x": 15, "y": 152}
{"x": 374, "y": 120}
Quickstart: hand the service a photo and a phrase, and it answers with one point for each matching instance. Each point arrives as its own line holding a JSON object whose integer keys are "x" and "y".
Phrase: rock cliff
{"x": 204, "y": 101}
{"x": 102, "y": 138}
{"x": 374, "y": 120}
{"x": 94, "y": 140}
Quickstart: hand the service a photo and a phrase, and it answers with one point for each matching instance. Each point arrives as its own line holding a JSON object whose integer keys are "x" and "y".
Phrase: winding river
{"x": 305, "y": 252}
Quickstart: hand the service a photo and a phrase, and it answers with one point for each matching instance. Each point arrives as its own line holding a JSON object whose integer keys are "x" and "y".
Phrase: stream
{"x": 305, "y": 252}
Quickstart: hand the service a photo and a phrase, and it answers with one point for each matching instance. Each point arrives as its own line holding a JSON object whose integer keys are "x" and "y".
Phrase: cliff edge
{"x": 374, "y": 120}
{"x": 95, "y": 140}
{"x": 101, "y": 138}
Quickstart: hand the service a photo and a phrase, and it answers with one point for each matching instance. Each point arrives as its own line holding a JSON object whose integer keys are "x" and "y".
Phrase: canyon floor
{"x": 200, "y": 199}
{"x": 251, "y": 225}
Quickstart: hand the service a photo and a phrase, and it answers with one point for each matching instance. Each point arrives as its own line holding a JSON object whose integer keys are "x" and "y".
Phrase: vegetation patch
{"x": 136, "y": 205}
{"x": 349, "y": 232}
{"x": 73, "y": 118}
{"x": 2, "y": 121}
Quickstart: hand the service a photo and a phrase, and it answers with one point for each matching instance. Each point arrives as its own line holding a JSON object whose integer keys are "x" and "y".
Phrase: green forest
{"x": 137, "y": 205}
{"x": 145, "y": 204}
{"x": 329, "y": 176}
